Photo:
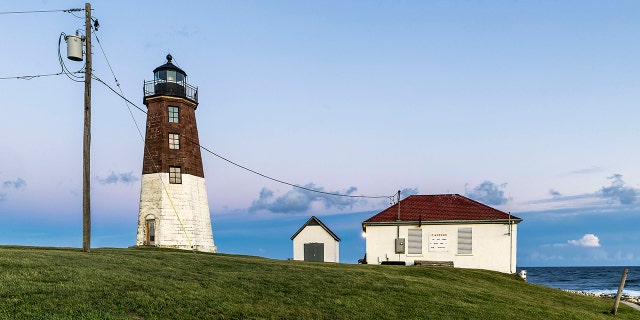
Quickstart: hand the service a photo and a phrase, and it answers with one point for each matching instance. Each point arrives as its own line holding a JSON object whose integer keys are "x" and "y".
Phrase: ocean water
{"x": 588, "y": 279}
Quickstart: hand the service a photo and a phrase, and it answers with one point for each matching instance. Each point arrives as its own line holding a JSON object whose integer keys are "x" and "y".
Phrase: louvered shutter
{"x": 464, "y": 241}
{"x": 415, "y": 241}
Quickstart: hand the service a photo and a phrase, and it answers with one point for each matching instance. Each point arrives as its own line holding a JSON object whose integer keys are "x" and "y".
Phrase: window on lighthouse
{"x": 173, "y": 114}
{"x": 175, "y": 175}
{"x": 174, "y": 141}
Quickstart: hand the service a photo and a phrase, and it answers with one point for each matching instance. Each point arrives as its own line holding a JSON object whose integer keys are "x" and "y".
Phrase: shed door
{"x": 314, "y": 252}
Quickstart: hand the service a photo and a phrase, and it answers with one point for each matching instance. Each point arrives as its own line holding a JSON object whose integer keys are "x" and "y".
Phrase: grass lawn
{"x": 56, "y": 283}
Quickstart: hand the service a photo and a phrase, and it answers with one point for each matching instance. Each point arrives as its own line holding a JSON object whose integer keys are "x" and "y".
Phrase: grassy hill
{"x": 50, "y": 283}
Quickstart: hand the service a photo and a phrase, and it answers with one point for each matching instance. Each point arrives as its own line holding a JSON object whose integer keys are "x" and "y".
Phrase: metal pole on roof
{"x": 398, "y": 205}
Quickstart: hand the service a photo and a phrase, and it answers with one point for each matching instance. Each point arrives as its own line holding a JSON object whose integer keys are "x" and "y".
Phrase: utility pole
{"x": 86, "y": 169}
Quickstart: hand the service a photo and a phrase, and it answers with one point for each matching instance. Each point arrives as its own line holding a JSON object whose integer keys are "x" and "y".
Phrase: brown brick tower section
{"x": 158, "y": 156}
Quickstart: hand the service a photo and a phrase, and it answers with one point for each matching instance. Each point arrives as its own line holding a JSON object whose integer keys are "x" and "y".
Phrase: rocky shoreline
{"x": 625, "y": 297}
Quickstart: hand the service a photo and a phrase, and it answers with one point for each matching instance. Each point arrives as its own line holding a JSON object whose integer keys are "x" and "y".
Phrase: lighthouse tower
{"x": 174, "y": 210}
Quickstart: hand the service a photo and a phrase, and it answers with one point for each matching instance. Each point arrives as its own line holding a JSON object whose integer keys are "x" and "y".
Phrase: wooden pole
{"x": 86, "y": 170}
{"x": 619, "y": 295}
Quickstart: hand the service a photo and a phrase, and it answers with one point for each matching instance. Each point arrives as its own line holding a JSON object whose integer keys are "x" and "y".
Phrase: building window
{"x": 174, "y": 141}
{"x": 465, "y": 241}
{"x": 415, "y": 241}
{"x": 174, "y": 114}
{"x": 175, "y": 175}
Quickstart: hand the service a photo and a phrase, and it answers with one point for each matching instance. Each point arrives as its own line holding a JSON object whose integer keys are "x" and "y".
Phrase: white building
{"x": 315, "y": 242}
{"x": 447, "y": 229}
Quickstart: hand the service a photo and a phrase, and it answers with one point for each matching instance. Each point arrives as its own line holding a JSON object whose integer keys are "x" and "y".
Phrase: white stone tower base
{"x": 187, "y": 227}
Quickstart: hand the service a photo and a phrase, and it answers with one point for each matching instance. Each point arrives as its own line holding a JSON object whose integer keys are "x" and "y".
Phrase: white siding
{"x": 492, "y": 246}
{"x": 316, "y": 234}
{"x": 192, "y": 207}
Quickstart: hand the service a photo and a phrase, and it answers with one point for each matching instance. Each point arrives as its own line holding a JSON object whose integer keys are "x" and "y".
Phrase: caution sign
{"x": 438, "y": 242}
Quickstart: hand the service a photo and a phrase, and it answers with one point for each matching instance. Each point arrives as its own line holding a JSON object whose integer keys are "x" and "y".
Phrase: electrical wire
{"x": 72, "y": 76}
{"x": 251, "y": 170}
{"x": 42, "y": 11}
{"x": 93, "y": 76}
{"x": 284, "y": 182}
{"x": 29, "y": 77}
{"x": 121, "y": 95}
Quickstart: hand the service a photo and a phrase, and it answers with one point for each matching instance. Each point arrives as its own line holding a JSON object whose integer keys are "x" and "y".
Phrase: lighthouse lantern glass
{"x": 171, "y": 76}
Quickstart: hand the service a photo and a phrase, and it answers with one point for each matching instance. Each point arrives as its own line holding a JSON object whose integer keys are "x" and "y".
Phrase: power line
{"x": 251, "y": 170}
{"x": 42, "y": 11}
{"x": 116, "y": 92}
{"x": 29, "y": 77}
{"x": 121, "y": 95}
{"x": 284, "y": 182}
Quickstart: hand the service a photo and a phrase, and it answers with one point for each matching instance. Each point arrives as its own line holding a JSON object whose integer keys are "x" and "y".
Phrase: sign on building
{"x": 438, "y": 242}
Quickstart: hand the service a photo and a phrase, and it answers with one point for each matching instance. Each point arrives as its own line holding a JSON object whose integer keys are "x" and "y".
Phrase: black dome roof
{"x": 169, "y": 66}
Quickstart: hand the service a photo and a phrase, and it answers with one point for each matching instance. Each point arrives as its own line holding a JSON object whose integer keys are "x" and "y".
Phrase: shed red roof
{"x": 440, "y": 207}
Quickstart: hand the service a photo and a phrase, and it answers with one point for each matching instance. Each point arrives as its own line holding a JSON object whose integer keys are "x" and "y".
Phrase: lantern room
{"x": 170, "y": 80}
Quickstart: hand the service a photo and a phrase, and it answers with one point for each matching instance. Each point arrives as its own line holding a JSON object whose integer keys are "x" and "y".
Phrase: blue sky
{"x": 529, "y": 106}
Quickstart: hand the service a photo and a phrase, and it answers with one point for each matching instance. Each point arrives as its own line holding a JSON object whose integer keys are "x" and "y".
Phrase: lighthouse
{"x": 174, "y": 209}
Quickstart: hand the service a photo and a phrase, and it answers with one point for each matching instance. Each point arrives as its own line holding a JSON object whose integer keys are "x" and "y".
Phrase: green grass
{"x": 49, "y": 283}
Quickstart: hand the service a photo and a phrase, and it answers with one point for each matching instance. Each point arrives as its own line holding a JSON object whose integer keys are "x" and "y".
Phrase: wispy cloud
{"x": 593, "y": 169}
{"x": 619, "y": 191}
{"x": 488, "y": 193}
{"x": 561, "y": 198}
{"x": 589, "y": 240}
{"x": 16, "y": 184}
{"x": 299, "y": 200}
{"x": 554, "y": 193}
{"x": 113, "y": 178}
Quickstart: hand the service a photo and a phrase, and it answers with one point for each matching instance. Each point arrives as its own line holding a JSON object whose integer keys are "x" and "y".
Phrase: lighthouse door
{"x": 151, "y": 232}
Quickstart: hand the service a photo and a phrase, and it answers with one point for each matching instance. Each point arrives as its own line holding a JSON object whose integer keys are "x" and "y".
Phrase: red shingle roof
{"x": 441, "y": 207}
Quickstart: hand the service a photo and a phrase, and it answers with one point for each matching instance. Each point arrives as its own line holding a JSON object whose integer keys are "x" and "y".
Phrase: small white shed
{"x": 315, "y": 242}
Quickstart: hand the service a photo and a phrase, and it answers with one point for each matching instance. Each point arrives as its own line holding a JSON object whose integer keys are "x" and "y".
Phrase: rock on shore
{"x": 625, "y": 297}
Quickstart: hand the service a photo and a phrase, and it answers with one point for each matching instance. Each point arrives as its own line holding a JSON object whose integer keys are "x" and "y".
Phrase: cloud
{"x": 488, "y": 193}
{"x": 618, "y": 191}
{"x": 300, "y": 200}
{"x": 9, "y": 184}
{"x": 113, "y": 178}
{"x": 17, "y": 184}
{"x": 593, "y": 169}
{"x": 589, "y": 240}
{"x": 408, "y": 192}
